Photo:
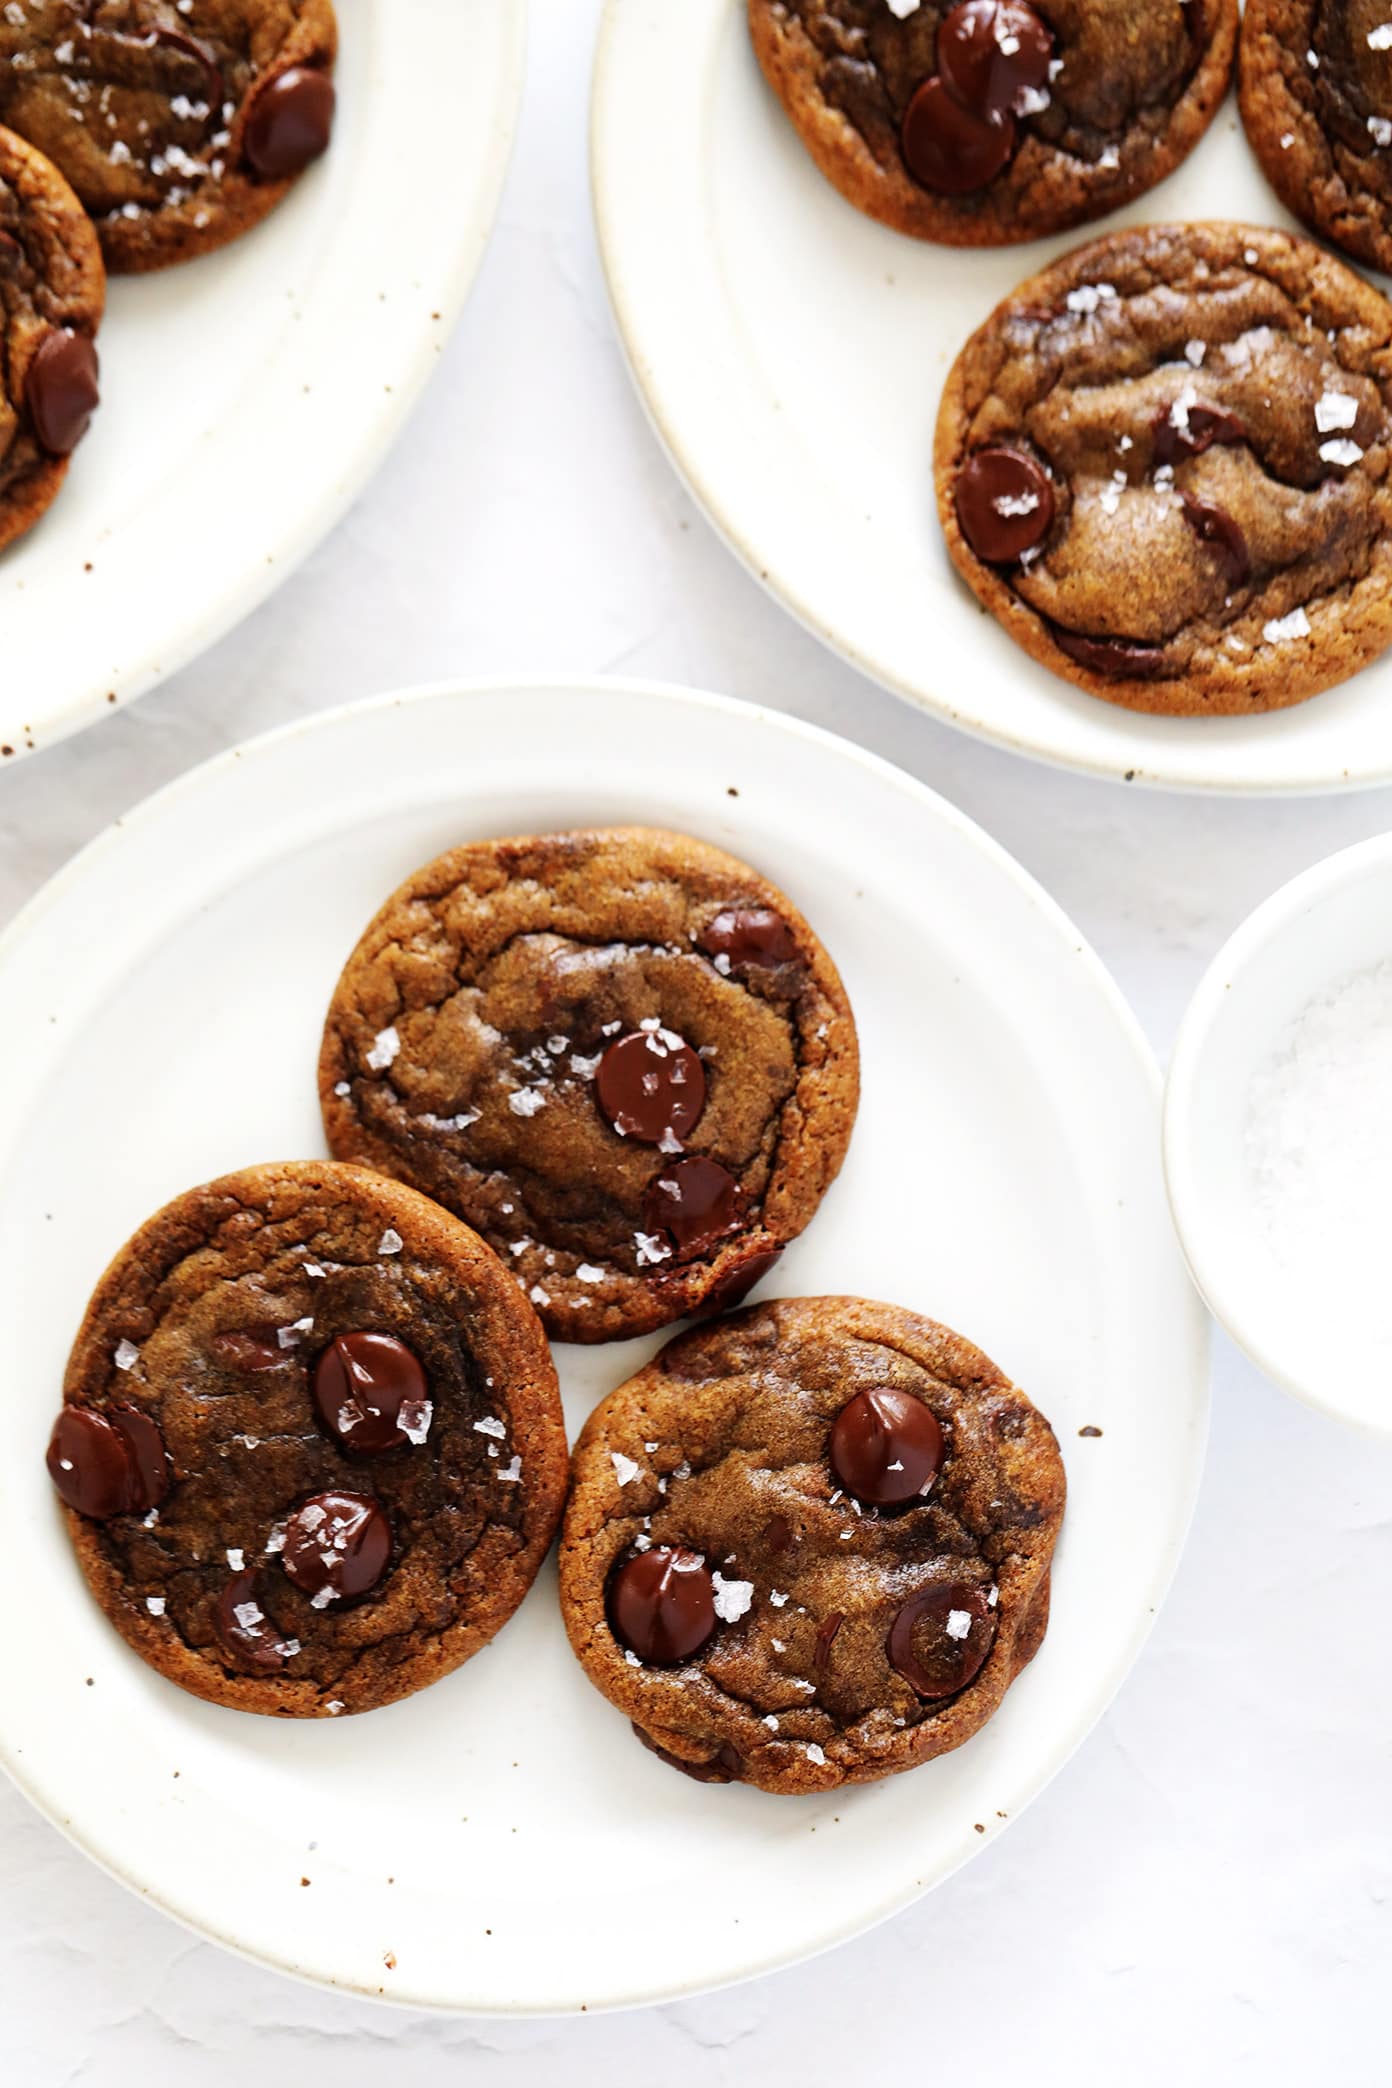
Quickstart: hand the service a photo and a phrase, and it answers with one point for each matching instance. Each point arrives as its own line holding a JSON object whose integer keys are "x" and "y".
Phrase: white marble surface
{"x": 1203, "y": 1894}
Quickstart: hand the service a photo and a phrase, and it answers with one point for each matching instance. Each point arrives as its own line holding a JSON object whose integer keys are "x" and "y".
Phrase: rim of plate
{"x": 1202, "y": 1240}
{"x": 612, "y": 196}
{"x": 296, "y": 530}
{"x": 1192, "y": 1343}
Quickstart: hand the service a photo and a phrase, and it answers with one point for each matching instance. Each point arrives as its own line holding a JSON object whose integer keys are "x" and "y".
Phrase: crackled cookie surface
{"x": 1315, "y": 85}
{"x": 52, "y": 289}
{"x": 180, "y": 123}
{"x": 622, "y": 1056}
{"x": 990, "y": 121}
{"x": 310, "y": 1448}
{"x": 810, "y": 1544}
{"x": 1163, "y": 466}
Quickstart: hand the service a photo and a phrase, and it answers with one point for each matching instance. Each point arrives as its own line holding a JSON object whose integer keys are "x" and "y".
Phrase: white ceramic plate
{"x": 161, "y": 1004}
{"x": 792, "y": 355}
{"x": 1315, "y": 934}
{"x": 248, "y": 396}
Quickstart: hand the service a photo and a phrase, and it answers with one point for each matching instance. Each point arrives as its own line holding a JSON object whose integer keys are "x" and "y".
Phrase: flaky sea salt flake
{"x": 732, "y": 1598}
{"x": 625, "y": 1468}
{"x": 127, "y": 1355}
{"x": 385, "y": 1046}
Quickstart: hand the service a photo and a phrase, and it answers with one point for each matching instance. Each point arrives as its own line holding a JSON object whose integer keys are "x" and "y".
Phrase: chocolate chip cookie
{"x": 1315, "y": 87}
{"x": 1163, "y": 466}
{"x": 52, "y": 290}
{"x": 180, "y": 123}
{"x": 622, "y": 1056}
{"x": 310, "y": 1449}
{"x": 993, "y": 121}
{"x": 810, "y": 1545}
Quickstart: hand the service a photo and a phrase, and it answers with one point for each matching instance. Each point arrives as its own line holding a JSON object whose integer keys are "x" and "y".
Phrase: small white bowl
{"x": 1334, "y": 920}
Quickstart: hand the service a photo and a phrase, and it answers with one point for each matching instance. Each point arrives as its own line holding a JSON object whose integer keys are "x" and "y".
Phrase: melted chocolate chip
{"x": 1120, "y": 659}
{"x": 948, "y": 149}
{"x": 724, "y": 1766}
{"x": 749, "y": 935}
{"x": 148, "y": 1456}
{"x": 240, "y": 1350}
{"x": 248, "y": 1637}
{"x": 662, "y": 1604}
{"x": 337, "y": 1545}
{"x": 826, "y": 1634}
{"x": 1187, "y": 432}
{"x": 1005, "y": 503}
{"x": 89, "y": 1462}
{"x": 994, "y": 55}
{"x": 107, "y": 1464}
{"x": 941, "y": 1637}
{"x": 291, "y": 122}
{"x": 696, "y": 1203}
{"x": 886, "y": 1446}
{"x": 1213, "y": 525}
{"x": 61, "y": 390}
{"x": 371, "y": 1393}
{"x": 734, "y": 1286}
{"x": 651, "y": 1086}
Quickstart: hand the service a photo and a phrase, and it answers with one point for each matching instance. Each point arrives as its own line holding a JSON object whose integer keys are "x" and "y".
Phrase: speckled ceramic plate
{"x": 501, "y": 1842}
{"x": 792, "y": 354}
{"x": 247, "y": 396}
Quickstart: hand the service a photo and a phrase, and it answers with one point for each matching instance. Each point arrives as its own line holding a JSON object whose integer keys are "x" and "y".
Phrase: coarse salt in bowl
{"x": 1278, "y": 1136}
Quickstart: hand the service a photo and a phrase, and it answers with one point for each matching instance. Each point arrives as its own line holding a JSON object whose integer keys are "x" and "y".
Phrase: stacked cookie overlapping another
{"x": 134, "y": 134}
{"x": 584, "y": 1084}
{"x": 1162, "y": 464}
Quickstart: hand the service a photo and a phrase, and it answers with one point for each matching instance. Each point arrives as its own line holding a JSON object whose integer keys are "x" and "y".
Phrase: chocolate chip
{"x": 994, "y": 55}
{"x": 724, "y": 1766}
{"x": 337, "y": 1545}
{"x": 291, "y": 122}
{"x": 886, "y": 1446}
{"x": 1005, "y": 503}
{"x": 651, "y": 1086}
{"x": 1213, "y": 525}
{"x": 61, "y": 390}
{"x": 371, "y": 1393}
{"x": 734, "y": 1286}
{"x": 749, "y": 935}
{"x": 239, "y": 1350}
{"x": 696, "y": 1202}
{"x": 941, "y": 1637}
{"x": 662, "y": 1604}
{"x": 89, "y": 1462}
{"x": 1187, "y": 431}
{"x": 148, "y": 1456}
{"x": 248, "y": 1637}
{"x": 947, "y": 148}
{"x": 1119, "y": 659}
{"x": 826, "y": 1634}
{"x": 107, "y": 1464}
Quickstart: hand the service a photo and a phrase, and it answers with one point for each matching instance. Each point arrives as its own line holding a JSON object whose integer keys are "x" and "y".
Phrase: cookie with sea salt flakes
{"x": 623, "y": 1056}
{"x": 810, "y": 1545}
{"x": 989, "y": 121}
{"x": 1315, "y": 89}
{"x": 180, "y": 123}
{"x": 1163, "y": 466}
{"x": 52, "y": 291}
{"x": 310, "y": 1450}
